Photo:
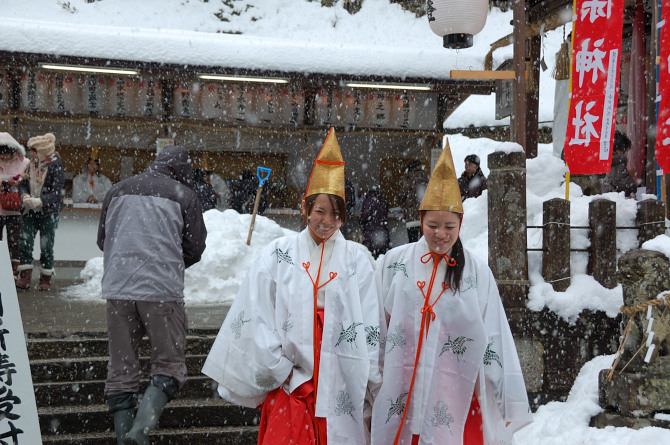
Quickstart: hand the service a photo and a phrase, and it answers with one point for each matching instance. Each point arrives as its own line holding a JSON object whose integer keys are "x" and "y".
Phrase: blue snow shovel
{"x": 261, "y": 180}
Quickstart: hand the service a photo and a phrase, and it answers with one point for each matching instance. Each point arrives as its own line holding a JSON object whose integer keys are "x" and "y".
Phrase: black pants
{"x": 13, "y": 225}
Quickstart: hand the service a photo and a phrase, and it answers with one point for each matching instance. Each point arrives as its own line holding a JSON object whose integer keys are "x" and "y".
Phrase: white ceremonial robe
{"x": 81, "y": 187}
{"x": 469, "y": 348}
{"x": 269, "y": 331}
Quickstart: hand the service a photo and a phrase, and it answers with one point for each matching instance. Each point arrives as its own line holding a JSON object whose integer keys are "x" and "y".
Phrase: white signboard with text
{"x": 19, "y": 424}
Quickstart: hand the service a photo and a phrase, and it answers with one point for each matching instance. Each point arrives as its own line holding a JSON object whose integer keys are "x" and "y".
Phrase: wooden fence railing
{"x": 602, "y": 233}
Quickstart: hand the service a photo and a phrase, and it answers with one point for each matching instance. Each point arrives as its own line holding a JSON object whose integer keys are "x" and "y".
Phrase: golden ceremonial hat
{"x": 328, "y": 172}
{"x": 442, "y": 192}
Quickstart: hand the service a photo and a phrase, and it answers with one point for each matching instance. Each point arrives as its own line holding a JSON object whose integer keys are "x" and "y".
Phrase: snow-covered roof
{"x": 298, "y": 36}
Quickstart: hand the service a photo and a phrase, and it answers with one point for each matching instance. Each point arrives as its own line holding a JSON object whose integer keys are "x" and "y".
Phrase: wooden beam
{"x": 518, "y": 123}
{"x": 533, "y": 96}
{"x": 483, "y": 74}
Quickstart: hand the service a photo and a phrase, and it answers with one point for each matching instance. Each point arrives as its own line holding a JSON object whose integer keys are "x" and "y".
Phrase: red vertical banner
{"x": 663, "y": 122}
{"x": 594, "y": 85}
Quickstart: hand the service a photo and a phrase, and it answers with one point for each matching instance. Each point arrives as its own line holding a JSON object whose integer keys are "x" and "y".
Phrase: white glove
{"x": 28, "y": 202}
{"x": 32, "y": 203}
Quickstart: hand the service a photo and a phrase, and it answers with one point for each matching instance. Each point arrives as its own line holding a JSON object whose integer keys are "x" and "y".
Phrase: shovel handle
{"x": 263, "y": 174}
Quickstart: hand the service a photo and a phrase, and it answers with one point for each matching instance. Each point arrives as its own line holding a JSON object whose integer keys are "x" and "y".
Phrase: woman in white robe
{"x": 265, "y": 352}
{"x": 451, "y": 372}
{"x": 90, "y": 185}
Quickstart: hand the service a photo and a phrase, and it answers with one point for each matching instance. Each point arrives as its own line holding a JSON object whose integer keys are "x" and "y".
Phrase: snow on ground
{"x": 567, "y": 423}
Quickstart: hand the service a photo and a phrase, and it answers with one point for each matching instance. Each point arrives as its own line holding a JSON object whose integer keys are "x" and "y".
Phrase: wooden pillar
{"x": 650, "y": 219}
{"x": 518, "y": 127}
{"x": 533, "y": 96}
{"x": 602, "y": 257}
{"x": 556, "y": 243}
{"x": 508, "y": 257}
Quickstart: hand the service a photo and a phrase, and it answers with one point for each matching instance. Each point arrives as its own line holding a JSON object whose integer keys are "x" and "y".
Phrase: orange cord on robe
{"x": 427, "y": 315}
{"x": 291, "y": 417}
{"x": 319, "y": 423}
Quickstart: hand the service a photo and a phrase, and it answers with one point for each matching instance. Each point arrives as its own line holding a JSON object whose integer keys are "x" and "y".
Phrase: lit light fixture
{"x": 389, "y": 86}
{"x": 242, "y": 78}
{"x": 88, "y": 69}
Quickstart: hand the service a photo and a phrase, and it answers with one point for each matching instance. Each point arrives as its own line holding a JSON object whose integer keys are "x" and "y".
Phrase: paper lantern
{"x": 456, "y": 21}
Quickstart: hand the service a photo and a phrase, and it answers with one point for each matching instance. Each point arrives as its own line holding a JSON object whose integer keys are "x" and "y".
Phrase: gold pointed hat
{"x": 442, "y": 192}
{"x": 95, "y": 152}
{"x": 328, "y": 172}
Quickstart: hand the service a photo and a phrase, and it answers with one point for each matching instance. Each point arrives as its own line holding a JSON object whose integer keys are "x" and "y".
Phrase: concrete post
{"x": 508, "y": 257}
{"x": 602, "y": 258}
{"x": 556, "y": 243}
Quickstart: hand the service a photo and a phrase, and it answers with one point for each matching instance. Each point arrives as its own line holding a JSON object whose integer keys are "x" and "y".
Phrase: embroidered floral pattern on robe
{"x": 490, "y": 356}
{"x": 442, "y": 416}
{"x": 283, "y": 256}
{"x": 348, "y": 334}
{"x": 237, "y": 325}
{"x": 397, "y": 407}
{"x": 398, "y": 267}
{"x": 457, "y": 346}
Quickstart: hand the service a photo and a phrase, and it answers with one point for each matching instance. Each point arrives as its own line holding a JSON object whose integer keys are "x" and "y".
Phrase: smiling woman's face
{"x": 440, "y": 229}
{"x": 323, "y": 220}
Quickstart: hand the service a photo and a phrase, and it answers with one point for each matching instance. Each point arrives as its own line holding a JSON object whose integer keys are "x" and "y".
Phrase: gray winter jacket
{"x": 151, "y": 229}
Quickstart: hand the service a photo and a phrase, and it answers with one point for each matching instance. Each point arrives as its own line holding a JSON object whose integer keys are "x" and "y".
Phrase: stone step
{"x": 92, "y": 391}
{"x": 242, "y": 435}
{"x": 95, "y": 345}
{"x": 93, "y": 368}
{"x": 179, "y": 413}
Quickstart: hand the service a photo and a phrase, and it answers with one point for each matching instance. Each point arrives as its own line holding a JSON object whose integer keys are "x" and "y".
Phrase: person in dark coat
{"x": 413, "y": 186}
{"x": 618, "y": 179}
{"x": 244, "y": 194}
{"x": 472, "y": 182}
{"x": 374, "y": 222}
{"x": 41, "y": 193}
{"x": 204, "y": 191}
{"x": 151, "y": 230}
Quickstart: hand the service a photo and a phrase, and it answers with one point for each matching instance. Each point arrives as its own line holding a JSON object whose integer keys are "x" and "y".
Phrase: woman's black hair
{"x": 7, "y": 150}
{"x": 454, "y": 274}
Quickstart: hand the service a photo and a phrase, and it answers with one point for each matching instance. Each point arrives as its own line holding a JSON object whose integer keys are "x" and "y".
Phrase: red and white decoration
{"x": 663, "y": 125}
{"x": 596, "y": 52}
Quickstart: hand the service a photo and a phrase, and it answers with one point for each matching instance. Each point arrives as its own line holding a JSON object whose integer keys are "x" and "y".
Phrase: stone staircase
{"x": 69, "y": 375}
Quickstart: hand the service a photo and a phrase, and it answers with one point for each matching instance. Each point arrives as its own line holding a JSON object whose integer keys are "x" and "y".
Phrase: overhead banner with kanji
{"x": 594, "y": 85}
{"x": 663, "y": 123}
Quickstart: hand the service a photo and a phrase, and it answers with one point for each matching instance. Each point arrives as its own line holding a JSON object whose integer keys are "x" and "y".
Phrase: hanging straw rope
{"x": 631, "y": 311}
{"x": 562, "y": 68}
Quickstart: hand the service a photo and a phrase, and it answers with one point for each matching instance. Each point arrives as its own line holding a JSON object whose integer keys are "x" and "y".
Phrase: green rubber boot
{"x": 123, "y": 421}
{"x": 149, "y": 412}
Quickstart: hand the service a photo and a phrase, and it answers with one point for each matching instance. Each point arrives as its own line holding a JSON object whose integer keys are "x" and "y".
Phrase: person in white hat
{"x": 302, "y": 338}
{"x": 42, "y": 198}
{"x": 451, "y": 371}
{"x": 13, "y": 163}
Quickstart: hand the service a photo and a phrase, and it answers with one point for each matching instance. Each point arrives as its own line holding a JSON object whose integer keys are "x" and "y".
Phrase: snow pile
{"x": 218, "y": 276}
